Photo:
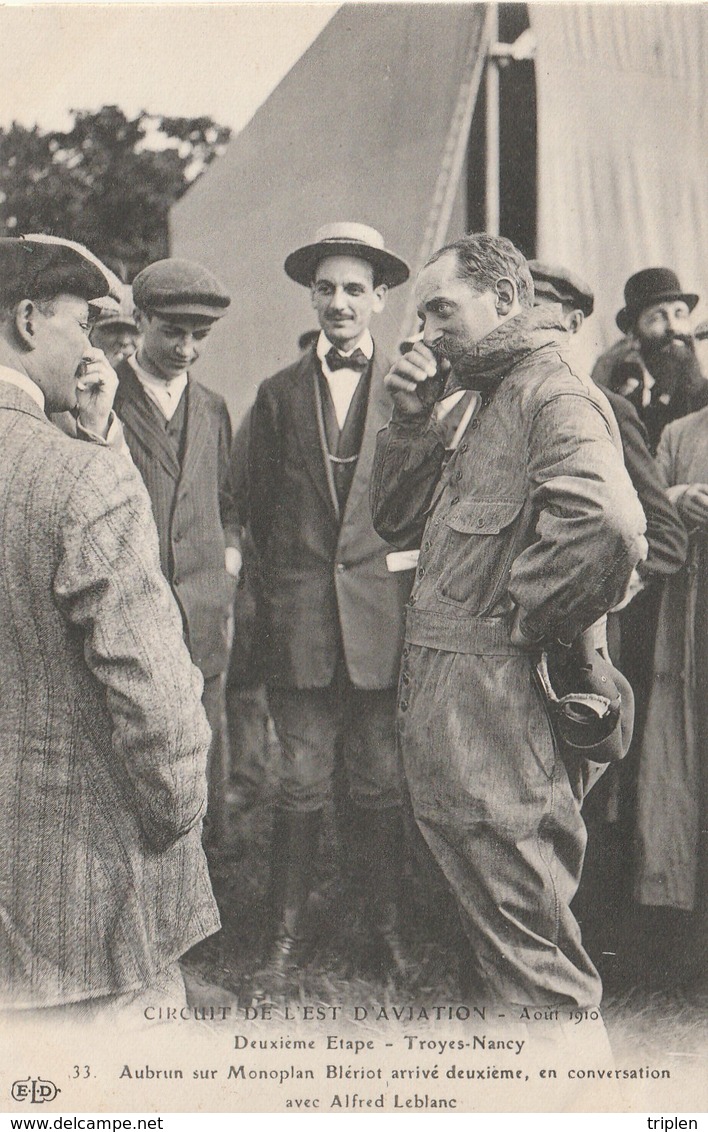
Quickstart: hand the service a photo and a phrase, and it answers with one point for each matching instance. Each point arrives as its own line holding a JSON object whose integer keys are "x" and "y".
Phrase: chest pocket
{"x": 478, "y": 543}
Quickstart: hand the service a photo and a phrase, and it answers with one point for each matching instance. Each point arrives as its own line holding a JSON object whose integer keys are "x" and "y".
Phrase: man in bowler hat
{"x": 179, "y": 435}
{"x": 656, "y": 366}
{"x": 103, "y": 880}
{"x": 332, "y": 610}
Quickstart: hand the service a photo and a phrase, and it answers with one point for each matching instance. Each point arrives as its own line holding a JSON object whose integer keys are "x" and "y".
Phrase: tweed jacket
{"x": 103, "y": 880}
{"x": 203, "y": 520}
{"x": 325, "y": 586}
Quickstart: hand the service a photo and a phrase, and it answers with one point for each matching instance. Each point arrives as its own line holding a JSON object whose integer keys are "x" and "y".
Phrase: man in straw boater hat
{"x": 103, "y": 883}
{"x": 655, "y": 366}
{"x": 332, "y": 610}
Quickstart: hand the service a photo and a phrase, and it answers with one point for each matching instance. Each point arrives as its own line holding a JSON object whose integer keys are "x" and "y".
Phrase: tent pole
{"x": 452, "y": 162}
{"x": 492, "y": 193}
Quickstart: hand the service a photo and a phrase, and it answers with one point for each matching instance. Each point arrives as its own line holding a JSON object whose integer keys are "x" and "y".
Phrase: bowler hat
{"x": 37, "y": 266}
{"x": 652, "y": 285}
{"x": 561, "y": 286}
{"x": 348, "y": 239}
{"x": 179, "y": 287}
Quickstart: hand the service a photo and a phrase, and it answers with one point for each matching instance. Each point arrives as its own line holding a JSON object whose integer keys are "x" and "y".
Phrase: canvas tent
{"x": 389, "y": 119}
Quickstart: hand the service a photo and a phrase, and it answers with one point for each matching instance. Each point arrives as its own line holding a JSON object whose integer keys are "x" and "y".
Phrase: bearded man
{"x": 655, "y": 366}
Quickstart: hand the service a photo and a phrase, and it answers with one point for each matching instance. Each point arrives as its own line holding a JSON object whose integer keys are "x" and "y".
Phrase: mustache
{"x": 666, "y": 342}
{"x": 444, "y": 352}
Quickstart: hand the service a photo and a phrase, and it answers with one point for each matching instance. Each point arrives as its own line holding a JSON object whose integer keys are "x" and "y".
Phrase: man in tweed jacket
{"x": 103, "y": 880}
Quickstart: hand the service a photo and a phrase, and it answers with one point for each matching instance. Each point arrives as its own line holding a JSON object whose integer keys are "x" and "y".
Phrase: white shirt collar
{"x": 23, "y": 382}
{"x": 365, "y": 344}
{"x": 165, "y": 394}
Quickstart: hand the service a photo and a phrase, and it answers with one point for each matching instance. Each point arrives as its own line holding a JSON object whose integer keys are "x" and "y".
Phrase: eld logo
{"x": 34, "y": 1090}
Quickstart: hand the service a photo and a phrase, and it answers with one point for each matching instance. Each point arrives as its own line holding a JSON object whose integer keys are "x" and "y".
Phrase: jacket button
{"x": 427, "y": 545}
{"x": 464, "y": 447}
{"x": 403, "y": 705}
{"x": 406, "y": 651}
{"x": 455, "y": 500}
{"x": 480, "y": 522}
{"x": 421, "y": 571}
{"x": 475, "y": 423}
{"x": 405, "y": 678}
{"x": 340, "y": 567}
{"x": 458, "y": 476}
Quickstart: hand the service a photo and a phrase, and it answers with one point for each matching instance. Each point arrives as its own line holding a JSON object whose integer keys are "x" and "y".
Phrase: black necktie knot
{"x": 357, "y": 360}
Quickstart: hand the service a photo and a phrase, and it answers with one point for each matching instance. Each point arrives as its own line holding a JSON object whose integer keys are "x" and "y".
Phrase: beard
{"x": 672, "y": 361}
{"x": 451, "y": 351}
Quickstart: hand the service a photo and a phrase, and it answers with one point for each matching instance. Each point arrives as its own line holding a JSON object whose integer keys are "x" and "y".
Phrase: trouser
{"x": 247, "y": 716}
{"x": 494, "y": 802}
{"x": 314, "y": 724}
{"x": 214, "y": 702}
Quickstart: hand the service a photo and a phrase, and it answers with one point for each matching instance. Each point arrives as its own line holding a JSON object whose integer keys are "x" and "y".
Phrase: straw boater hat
{"x": 652, "y": 285}
{"x": 346, "y": 238}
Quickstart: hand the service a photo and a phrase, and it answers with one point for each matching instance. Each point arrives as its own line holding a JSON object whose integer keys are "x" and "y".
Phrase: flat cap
{"x": 38, "y": 266}
{"x": 111, "y": 312}
{"x": 561, "y": 286}
{"x": 179, "y": 286}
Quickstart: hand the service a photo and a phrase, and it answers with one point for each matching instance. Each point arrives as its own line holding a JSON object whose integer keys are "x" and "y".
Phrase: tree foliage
{"x": 108, "y": 182}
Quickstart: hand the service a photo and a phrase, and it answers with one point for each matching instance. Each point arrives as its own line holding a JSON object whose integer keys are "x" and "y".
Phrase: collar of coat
{"x": 491, "y": 359}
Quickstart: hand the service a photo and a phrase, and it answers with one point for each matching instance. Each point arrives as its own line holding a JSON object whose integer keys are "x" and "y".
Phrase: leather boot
{"x": 294, "y": 853}
{"x": 385, "y": 848}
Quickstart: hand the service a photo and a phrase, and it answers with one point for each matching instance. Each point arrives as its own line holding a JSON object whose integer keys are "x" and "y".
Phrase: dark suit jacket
{"x": 325, "y": 585}
{"x": 203, "y": 520}
{"x": 666, "y": 534}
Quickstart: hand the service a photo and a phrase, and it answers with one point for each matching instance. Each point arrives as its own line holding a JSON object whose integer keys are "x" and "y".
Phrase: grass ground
{"x": 654, "y": 1024}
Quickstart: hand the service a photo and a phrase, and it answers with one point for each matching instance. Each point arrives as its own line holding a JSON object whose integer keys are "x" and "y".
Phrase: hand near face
{"x": 95, "y": 391}
{"x": 693, "y": 506}
{"x": 416, "y": 380}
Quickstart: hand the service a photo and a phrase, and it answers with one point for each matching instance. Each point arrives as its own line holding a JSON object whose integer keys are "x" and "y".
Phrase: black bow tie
{"x": 357, "y": 360}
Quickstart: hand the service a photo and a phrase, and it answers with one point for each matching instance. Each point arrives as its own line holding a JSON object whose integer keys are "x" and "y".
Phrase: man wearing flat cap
{"x": 655, "y": 366}
{"x": 103, "y": 882}
{"x": 114, "y": 330}
{"x": 332, "y": 611}
{"x": 179, "y": 435}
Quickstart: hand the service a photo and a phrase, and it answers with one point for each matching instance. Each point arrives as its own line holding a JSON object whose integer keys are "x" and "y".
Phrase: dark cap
{"x": 347, "y": 239}
{"x": 111, "y": 312}
{"x": 40, "y": 267}
{"x": 647, "y": 287}
{"x": 177, "y": 287}
{"x": 561, "y": 286}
